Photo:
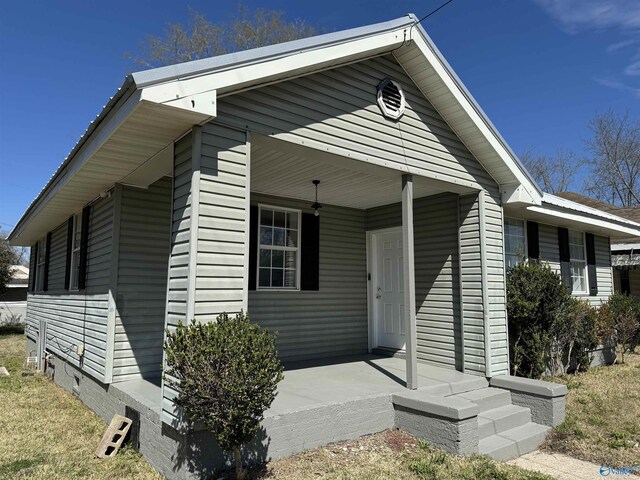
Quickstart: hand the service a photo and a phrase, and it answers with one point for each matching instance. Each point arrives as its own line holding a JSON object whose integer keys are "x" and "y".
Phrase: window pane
{"x": 292, "y": 238}
{"x": 266, "y": 236}
{"x": 290, "y": 278}
{"x": 278, "y": 236}
{"x": 278, "y": 219}
{"x": 292, "y": 220}
{"x": 578, "y": 277}
{"x": 265, "y": 276}
{"x": 277, "y": 259}
{"x": 290, "y": 259}
{"x": 265, "y": 257}
{"x": 277, "y": 277}
{"x": 577, "y": 252}
{"x": 266, "y": 217}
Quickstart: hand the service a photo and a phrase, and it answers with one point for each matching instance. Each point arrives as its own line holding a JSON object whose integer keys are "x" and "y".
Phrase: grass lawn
{"x": 49, "y": 434}
{"x": 603, "y": 415}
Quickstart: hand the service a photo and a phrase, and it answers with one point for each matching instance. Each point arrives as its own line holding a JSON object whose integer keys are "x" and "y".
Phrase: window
{"x": 278, "y": 252}
{"x": 74, "y": 272}
{"x": 578, "y": 262}
{"x": 40, "y": 265}
{"x": 514, "y": 241}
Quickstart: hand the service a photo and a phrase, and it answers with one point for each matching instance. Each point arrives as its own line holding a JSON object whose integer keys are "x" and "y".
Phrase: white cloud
{"x": 614, "y": 47}
{"x": 577, "y": 15}
{"x": 615, "y": 84}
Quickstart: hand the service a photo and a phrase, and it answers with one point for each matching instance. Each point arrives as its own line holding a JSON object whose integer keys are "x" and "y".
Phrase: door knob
{"x": 379, "y": 294}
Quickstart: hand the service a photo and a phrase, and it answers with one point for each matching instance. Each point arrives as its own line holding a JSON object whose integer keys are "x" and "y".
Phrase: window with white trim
{"x": 40, "y": 265}
{"x": 515, "y": 241}
{"x": 74, "y": 271}
{"x": 578, "y": 262}
{"x": 278, "y": 252}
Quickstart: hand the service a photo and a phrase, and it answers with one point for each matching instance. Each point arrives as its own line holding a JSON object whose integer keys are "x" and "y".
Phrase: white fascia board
{"x": 564, "y": 203}
{"x": 532, "y": 193}
{"x": 585, "y": 220}
{"x": 268, "y": 70}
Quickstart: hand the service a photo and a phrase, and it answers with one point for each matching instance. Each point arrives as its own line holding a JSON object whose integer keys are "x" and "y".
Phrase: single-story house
{"x": 13, "y": 302}
{"x": 625, "y": 251}
{"x": 195, "y": 192}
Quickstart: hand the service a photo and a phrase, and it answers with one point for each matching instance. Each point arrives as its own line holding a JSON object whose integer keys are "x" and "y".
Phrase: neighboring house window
{"x": 515, "y": 247}
{"x": 74, "y": 272}
{"x": 40, "y": 266}
{"x": 278, "y": 252}
{"x": 578, "y": 260}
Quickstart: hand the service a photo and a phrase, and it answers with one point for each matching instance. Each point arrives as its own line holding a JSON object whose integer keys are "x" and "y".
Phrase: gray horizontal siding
{"x": 550, "y": 253}
{"x": 336, "y": 111}
{"x": 471, "y": 282}
{"x": 145, "y": 221}
{"x": 75, "y": 318}
{"x": 333, "y": 320}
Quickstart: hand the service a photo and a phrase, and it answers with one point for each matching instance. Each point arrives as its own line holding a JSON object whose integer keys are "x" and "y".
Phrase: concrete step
{"x": 488, "y": 398}
{"x": 500, "y": 419}
{"x": 513, "y": 442}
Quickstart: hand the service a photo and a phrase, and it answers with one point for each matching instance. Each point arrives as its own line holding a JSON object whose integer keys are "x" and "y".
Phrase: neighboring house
{"x": 13, "y": 302}
{"x": 191, "y": 195}
{"x": 625, "y": 251}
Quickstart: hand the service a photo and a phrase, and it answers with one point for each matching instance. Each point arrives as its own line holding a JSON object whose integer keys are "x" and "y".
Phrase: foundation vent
{"x": 391, "y": 99}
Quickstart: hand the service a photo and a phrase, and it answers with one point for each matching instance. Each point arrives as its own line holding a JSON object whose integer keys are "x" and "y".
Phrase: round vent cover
{"x": 391, "y": 99}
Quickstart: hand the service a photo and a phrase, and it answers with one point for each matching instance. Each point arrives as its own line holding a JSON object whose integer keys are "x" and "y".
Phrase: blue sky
{"x": 539, "y": 68}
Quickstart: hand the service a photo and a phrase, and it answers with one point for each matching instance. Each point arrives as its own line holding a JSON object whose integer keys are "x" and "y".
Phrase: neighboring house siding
{"x": 550, "y": 253}
{"x": 436, "y": 272}
{"x": 75, "y": 318}
{"x": 336, "y": 111}
{"x": 145, "y": 221}
{"x": 333, "y": 320}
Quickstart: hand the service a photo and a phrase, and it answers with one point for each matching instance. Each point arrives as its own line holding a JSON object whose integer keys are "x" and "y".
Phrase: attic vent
{"x": 391, "y": 99}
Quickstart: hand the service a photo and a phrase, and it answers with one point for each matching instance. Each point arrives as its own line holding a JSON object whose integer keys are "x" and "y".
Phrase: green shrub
{"x": 574, "y": 333}
{"x": 619, "y": 320}
{"x": 536, "y": 298}
{"x": 226, "y": 372}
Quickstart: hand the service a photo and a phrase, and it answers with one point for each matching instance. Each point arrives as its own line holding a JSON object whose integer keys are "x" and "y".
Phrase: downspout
{"x": 485, "y": 286}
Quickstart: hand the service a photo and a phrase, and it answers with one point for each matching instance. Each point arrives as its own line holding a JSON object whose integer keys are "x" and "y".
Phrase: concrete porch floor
{"x": 313, "y": 384}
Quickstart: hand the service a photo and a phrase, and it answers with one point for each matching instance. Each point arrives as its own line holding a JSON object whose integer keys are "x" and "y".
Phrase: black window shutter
{"x": 565, "y": 258}
{"x": 33, "y": 267}
{"x": 591, "y": 263}
{"x": 310, "y": 252}
{"x": 533, "y": 241}
{"x": 47, "y": 257}
{"x": 253, "y": 246}
{"x": 67, "y": 266}
{"x": 625, "y": 284}
{"x": 84, "y": 248}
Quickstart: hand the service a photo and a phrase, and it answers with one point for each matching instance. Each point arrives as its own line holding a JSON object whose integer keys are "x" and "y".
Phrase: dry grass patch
{"x": 603, "y": 415}
{"x": 49, "y": 434}
{"x": 388, "y": 455}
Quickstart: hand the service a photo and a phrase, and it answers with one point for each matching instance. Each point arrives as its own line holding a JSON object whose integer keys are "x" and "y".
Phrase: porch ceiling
{"x": 286, "y": 170}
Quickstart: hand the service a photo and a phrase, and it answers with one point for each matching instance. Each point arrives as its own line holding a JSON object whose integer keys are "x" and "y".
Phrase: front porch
{"x": 324, "y": 402}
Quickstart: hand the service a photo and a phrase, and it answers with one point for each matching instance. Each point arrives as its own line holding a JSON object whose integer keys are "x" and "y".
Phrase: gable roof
{"x": 136, "y": 129}
{"x": 630, "y": 213}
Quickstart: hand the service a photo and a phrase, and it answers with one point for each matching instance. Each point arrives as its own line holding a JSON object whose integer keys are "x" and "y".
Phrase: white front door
{"x": 388, "y": 290}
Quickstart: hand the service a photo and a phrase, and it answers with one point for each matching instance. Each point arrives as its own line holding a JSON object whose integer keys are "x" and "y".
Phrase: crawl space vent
{"x": 391, "y": 99}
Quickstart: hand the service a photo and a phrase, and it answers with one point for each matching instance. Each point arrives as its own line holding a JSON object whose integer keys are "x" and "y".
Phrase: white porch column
{"x": 409, "y": 281}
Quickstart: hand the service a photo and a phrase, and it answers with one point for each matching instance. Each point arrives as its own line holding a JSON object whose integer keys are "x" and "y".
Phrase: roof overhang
{"x": 131, "y": 139}
{"x": 559, "y": 211}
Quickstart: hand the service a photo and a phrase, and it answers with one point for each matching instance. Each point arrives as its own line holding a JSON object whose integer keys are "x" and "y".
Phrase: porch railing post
{"x": 409, "y": 281}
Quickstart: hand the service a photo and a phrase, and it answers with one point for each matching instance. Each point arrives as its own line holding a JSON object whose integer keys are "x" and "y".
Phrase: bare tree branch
{"x": 615, "y": 162}
{"x": 553, "y": 173}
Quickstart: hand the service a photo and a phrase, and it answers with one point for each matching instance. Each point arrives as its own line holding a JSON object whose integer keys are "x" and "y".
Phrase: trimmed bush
{"x": 619, "y": 321}
{"x": 226, "y": 372}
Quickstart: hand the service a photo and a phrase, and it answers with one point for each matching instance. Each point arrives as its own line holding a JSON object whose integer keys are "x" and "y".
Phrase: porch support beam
{"x": 409, "y": 281}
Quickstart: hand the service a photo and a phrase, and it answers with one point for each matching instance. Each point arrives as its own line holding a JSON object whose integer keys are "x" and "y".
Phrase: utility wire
{"x": 432, "y": 12}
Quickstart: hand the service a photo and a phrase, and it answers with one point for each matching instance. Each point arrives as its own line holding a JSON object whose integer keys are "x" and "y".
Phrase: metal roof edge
{"x": 198, "y": 67}
{"x": 475, "y": 105}
{"x": 570, "y": 205}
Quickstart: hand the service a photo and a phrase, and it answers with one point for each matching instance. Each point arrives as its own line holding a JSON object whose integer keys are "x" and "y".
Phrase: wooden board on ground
{"x": 113, "y": 437}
